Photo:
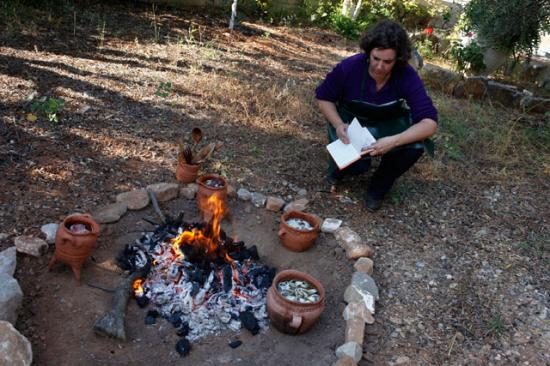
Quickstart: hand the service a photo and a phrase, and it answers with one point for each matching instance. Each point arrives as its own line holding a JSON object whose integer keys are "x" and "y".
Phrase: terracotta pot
{"x": 205, "y": 192}
{"x": 187, "y": 173}
{"x": 295, "y": 239}
{"x": 73, "y": 248}
{"x": 289, "y": 316}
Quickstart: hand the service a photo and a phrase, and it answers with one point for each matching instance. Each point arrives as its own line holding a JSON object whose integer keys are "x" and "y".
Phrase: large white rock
{"x": 244, "y": 194}
{"x": 49, "y": 230}
{"x": 15, "y": 349}
{"x": 298, "y": 205}
{"x": 189, "y": 191}
{"x": 258, "y": 199}
{"x": 165, "y": 191}
{"x": 10, "y": 298}
{"x": 8, "y": 261}
{"x": 330, "y": 225}
{"x": 350, "y": 349}
{"x": 135, "y": 200}
{"x": 110, "y": 213}
{"x": 31, "y": 245}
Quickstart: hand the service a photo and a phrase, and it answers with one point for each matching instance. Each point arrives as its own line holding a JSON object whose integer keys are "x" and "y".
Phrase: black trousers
{"x": 392, "y": 166}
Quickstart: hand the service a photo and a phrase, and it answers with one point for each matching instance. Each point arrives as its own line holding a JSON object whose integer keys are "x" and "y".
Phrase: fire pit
{"x": 200, "y": 280}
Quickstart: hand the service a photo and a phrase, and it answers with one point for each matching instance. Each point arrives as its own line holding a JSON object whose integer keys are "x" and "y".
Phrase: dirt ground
{"x": 461, "y": 246}
{"x": 76, "y": 308}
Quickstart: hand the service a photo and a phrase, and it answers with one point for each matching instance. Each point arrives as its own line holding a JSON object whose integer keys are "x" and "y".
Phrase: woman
{"x": 373, "y": 87}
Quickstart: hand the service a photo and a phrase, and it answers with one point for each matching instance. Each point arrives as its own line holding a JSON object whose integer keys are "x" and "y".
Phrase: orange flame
{"x": 138, "y": 289}
{"x": 206, "y": 239}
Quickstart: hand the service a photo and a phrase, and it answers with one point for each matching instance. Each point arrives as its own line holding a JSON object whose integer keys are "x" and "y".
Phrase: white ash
{"x": 299, "y": 224}
{"x": 79, "y": 229}
{"x": 214, "y": 183}
{"x": 211, "y": 310}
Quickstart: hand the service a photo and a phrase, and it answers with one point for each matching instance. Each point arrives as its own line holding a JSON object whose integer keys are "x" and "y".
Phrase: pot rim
{"x": 310, "y": 218}
{"x": 81, "y": 219}
{"x": 200, "y": 181}
{"x": 187, "y": 164}
{"x": 294, "y": 274}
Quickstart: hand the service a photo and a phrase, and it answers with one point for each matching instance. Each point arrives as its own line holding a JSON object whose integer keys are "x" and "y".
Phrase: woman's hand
{"x": 342, "y": 133}
{"x": 382, "y": 146}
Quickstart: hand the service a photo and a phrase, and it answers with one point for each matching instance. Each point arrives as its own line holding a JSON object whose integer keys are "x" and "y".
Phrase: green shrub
{"x": 467, "y": 57}
{"x": 49, "y": 106}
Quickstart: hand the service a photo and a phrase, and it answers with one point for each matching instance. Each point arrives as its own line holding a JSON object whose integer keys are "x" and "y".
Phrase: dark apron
{"x": 381, "y": 120}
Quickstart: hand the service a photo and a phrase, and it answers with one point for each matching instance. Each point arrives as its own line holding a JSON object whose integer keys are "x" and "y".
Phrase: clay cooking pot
{"x": 295, "y": 239}
{"x": 73, "y": 248}
{"x": 289, "y": 316}
{"x": 205, "y": 191}
{"x": 187, "y": 173}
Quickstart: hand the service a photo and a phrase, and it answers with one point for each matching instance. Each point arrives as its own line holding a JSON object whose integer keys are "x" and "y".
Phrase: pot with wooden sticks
{"x": 191, "y": 157}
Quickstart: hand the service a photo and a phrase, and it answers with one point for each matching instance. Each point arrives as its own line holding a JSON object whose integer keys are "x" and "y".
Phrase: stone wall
{"x": 482, "y": 88}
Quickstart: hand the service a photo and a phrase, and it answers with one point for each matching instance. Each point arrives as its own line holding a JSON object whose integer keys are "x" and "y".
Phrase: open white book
{"x": 346, "y": 154}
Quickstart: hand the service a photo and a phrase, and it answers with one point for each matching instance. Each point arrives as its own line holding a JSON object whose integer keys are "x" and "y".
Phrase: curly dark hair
{"x": 387, "y": 34}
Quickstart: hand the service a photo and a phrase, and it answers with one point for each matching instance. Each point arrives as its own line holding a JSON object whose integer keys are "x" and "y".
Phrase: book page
{"x": 343, "y": 154}
{"x": 369, "y": 138}
{"x": 356, "y": 135}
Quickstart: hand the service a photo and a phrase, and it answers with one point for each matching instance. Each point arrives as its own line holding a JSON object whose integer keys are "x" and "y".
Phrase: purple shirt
{"x": 343, "y": 83}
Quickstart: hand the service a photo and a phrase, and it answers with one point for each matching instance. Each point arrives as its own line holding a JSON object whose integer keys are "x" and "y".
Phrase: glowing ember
{"x": 138, "y": 290}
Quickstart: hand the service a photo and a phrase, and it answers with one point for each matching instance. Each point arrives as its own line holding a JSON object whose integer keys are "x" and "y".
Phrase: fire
{"x": 138, "y": 290}
{"x": 208, "y": 239}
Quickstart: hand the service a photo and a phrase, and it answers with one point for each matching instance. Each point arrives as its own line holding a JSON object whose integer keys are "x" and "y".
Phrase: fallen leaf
{"x": 31, "y": 117}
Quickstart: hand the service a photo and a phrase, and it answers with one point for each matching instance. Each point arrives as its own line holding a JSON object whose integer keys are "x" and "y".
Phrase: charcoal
{"x": 142, "y": 301}
{"x": 227, "y": 278}
{"x": 183, "y": 330}
{"x": 253, "y": 250}
{"x": 262, "y": 277}
{"x": 249, "y": 322}
{"x": 151, "y": 317}
{"x": 196, "y": 289}
{"x": 183, "y": 347}
{"x": 175, "y": 319}
{"x": 235, "y": 344}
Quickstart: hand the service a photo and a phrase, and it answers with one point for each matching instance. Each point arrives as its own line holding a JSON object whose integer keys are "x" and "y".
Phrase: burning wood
{"x": 201, "y": 280}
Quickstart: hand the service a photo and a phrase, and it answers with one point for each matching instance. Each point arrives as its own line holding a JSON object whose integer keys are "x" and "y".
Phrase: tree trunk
{"x": 347, "y": 8}
{"x": 233, "y": 14}
{"x": 357, "y": 10}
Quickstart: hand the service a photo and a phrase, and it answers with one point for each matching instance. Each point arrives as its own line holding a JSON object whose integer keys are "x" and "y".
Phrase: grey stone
{"x": 31, "y": 245}
{"x": 15, "y": 349}
{"x": 244, "y": 194}
{"x": 258, "y": 199}
{"x": 346, "y": 237}
{"x": 330, "y": 225}
{"x": 3, "y": 236}
{"x": 165, "y": 191}
{"x": 274, "y": 203}
{"x": 301, "y": 192}
{"x": 11, "y": 297}
{"x": 8, "y": 261}
{"x": 298, "y": 205}
{"x": 364, "y": 265}
{"x": 358, "y": 309}
{"x": 49, "y": 230}
{"x": 135, "y": 200}
{"x": 110, "y": 213}
{"x": 366, "y": 282}
{"x": 189, "y": 191}
{"x": 350, "y": 349}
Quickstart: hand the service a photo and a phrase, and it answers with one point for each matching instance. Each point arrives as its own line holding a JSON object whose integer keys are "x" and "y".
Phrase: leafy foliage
{"x": 467, "y": 57}
{"x": 512, "y": 25}
{"x": 49, "y": 106}
{"x": 164, "y": 89}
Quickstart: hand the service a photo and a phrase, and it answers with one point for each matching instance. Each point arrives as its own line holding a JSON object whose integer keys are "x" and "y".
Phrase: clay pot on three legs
{"x": 187, "y": 173}
{"x": 294, "y": 317}
{"x": 212, "y": 196}
{"x": 298, "y": 230}
{"x": 74, "y": 240}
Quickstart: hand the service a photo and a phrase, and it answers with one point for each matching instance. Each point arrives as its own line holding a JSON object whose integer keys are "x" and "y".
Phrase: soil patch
{"x": 74, "y": 309}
